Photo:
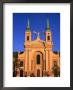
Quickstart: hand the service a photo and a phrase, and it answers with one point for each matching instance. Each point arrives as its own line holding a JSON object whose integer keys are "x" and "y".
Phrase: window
{"x": 38, "y": 59}
{"x": 48, "y": 37}
{"x": 55, "y": 63}
{"x": 21, "y": 63}
{"x": 27, "y": 37}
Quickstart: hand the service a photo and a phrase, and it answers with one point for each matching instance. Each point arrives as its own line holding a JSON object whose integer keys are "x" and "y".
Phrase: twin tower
{"x": 48, "y": 37}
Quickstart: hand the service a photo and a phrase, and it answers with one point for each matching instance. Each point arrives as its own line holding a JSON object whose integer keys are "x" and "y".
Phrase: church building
{"x": 38, "y": 58}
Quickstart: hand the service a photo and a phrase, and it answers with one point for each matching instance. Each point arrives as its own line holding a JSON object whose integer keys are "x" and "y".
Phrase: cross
{"x": 38, "y": 34}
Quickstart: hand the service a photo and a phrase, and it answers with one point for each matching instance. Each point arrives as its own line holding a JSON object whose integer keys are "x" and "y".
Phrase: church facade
{"x": 38, "y": 58}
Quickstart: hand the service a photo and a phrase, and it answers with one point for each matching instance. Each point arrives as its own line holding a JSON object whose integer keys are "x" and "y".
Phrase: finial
{"x": 48, "y": 26}
{"x": 28, "y": 26}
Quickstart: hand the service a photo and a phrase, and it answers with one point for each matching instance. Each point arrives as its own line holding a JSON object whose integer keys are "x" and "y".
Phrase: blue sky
{"x": 38, "y": 24}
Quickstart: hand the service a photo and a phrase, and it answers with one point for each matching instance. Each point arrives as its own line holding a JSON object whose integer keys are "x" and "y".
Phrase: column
{"x": 46, "y": 60}
{"x": 28, "y": 62}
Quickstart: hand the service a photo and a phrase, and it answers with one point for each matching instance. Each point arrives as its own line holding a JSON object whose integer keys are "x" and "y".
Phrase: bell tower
{"x": 28, "y": 33}
{"x": 48, "y": 32}
{"x": 48, "y": 46}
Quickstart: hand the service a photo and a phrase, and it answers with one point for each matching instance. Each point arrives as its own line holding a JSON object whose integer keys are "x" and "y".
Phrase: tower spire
{"x": 48, "y": 26}
{"x": 28, "y": 26}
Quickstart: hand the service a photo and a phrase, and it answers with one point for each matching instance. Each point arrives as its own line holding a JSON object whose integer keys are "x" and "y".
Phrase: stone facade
{"x": 38, "y": 58}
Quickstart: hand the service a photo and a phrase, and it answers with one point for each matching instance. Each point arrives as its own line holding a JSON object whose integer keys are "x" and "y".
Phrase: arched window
{"x": 38, "y": 59}
{"x": 21, "y": 63}
{"x": 55, "y": 63}
{"x": 28, "y": 38}
{"x": 48, "y": 37}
